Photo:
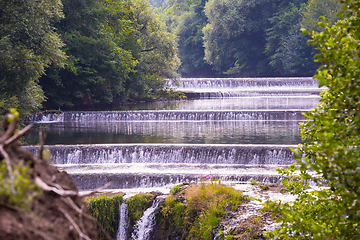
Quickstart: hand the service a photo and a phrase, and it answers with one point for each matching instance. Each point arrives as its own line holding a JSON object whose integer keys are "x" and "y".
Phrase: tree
{"x": 187, "y": 26}
{"x": 286, "y": 46}
{"x": 117, "y": 50}
{"x": 235, "y": 37}
{"x": 316, "y": 8}
{"x": 330, "y": 155}
{"x": 28, "y": 45}
{"x": 157, "y": 55}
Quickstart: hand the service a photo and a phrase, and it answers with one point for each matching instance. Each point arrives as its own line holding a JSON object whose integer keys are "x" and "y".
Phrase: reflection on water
{"x": 209, "y": 132}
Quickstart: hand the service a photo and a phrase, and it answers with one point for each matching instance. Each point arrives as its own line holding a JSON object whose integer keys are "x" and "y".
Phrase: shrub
{"x": 106, "y": 210}
{"x": 137, "y": 205}
{"x": 24, "y": 192}
{"x": 205, "y": 205}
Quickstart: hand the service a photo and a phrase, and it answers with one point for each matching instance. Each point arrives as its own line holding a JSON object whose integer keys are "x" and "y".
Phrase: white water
{"x": 255, "y": 83}
{"x": 123, "y": 222}
{"x": 144, "y": 227}
{"x": 198, "y": 137}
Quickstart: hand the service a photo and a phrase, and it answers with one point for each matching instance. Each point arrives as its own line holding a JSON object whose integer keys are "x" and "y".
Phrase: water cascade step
{"x": 234, "y": 83}
{"x": 246, "y": 87}
{"x": 251, "y": 93}
{"x": 169, "y": 115}
{"x": 163, "y": 179}
{"x": 172, "y": 132}
{"x": 157, "y": 165}
{"x": 171, "y": 153}
{"x": 233, "y": 129}
{"x": 242, "y": 103}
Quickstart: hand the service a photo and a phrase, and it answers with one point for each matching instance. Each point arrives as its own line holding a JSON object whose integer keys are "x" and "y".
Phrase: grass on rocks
{"x": 106, "y": 210}
{"x": 195, "y": 210}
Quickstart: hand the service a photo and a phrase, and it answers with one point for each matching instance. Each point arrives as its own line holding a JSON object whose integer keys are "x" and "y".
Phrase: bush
{"x": 330, "y": 155}
{"x": 106, "y": 210}
{"x": 205, "y": 205}
{"x": 137, "y": 205}
{"x": 24, "y": 192}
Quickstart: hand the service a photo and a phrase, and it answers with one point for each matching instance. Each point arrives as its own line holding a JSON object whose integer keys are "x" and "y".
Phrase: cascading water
{"x": 243, "y": 130}
{"x": 123, "y": 222}
{"x": 144, "y": 227}
{"x": 234, "y": 129}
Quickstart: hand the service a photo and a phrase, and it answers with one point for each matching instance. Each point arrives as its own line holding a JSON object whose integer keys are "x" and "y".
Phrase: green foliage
{"x": 106, "y": 210}
{"x": 176, "y": 189}
{"x": 174, "y": 210}
{"x": 330, "y": 154}
{"x": 28, "y": 45}
{"x": 253, "y": 181}
{"x": 25, "y": 191}
{"x": 118, "y": 50}
{"x": 244, "y": 38}
{"x": 170, "y": 94}
{"x": 286, "y": 46}
{"x": 205, "y": 206}
{"x": 187, "y": 21}
{"x": 315, "y": 9}
{"x": 137, "y": 205}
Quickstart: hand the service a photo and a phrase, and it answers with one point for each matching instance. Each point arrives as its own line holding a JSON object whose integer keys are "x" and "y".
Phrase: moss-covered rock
{"x": 193, "y": 211}
{"x": 106, "y": 210}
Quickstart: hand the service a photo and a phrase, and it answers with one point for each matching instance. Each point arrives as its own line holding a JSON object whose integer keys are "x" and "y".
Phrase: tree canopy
{"x": 117, "y": 50}
{"x": 242, "y": 38}
{"x": 329, "y": 157}
{"x": 28, "y": 45}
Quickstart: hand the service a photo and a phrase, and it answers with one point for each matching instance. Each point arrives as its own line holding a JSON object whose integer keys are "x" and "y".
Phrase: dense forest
{"x": 78, "y": 53}
{"x": 248, "y": 38}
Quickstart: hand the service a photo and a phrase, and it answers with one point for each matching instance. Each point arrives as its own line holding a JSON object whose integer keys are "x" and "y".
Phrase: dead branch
{"x": 18, "y": 135}
{"x": 71, "y": 204}
{"x": 47, "y": 188}
{"x": 97, "y": 190}
{"x": 9, "y": 129}
{"x": 42, "y": 138}
{"x": 81, "y": 234}
{"x": 81, "y": 219}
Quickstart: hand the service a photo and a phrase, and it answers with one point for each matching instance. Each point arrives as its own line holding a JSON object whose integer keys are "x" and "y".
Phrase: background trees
{"x": 187, "y": 19}
{"x": 121, "y": 50}
{"x": 330, "y": 154}
{"x": 246, "y": 37}
{"x": 28, "y": 45}
{"x": 117, "y": 50}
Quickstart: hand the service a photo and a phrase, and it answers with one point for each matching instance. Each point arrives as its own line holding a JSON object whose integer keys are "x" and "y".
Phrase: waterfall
{"x": 236, "y": 128}
{"x": 233, "y": 83}
{"x": 144, "y": 227}
{"x": 171, "y": 153}
{"x": 123, "y": 222}
{"x": 170, "y": 115}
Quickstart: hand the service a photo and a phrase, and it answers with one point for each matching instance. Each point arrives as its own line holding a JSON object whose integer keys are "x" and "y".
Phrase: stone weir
{"x": 171, "y": 153}
{"x": 168, "y": 115}
{"x": 86, "y": 181}
{"x": 201, "y": 94}
{"x": 231, "y": 83}
{"x": 158, "y": 165}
